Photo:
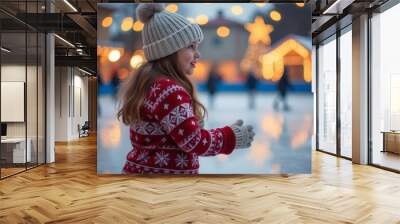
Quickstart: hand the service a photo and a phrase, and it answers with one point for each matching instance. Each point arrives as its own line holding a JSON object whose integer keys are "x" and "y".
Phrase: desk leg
{"x": 384, "y": 142}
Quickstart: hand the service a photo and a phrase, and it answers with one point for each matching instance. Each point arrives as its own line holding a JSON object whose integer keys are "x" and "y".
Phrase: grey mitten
{"x": 244, "y": 134}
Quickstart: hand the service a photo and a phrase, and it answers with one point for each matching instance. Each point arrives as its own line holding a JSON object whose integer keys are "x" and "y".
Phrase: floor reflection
{"x": 110, "y": 134}
{"x": 259, "y": 153}
{"x": 302, "y": 135}
{"x": 386, "y": 159}
{"x": 282, "y": 143}
{"x": 272, "y": 124}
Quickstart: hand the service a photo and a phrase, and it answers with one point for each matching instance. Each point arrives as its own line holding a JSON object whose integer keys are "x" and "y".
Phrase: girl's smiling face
{"x": 188, "y": 57}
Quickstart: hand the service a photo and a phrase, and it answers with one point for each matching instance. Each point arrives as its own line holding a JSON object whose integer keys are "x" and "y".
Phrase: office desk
{"x": 15, "y": 148}
{"x": 391, "y": 141}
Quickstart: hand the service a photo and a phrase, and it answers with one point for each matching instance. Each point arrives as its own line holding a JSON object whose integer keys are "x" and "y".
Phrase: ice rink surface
{"x": 282, "y": 143}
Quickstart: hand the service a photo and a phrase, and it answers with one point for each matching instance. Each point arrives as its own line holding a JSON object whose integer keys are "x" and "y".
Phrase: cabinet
{"x": 391, "y": 141}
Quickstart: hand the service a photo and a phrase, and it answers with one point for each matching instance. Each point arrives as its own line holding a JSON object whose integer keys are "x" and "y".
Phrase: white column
{"x": 360, "y": 90}
{"x": 314, "y": 91}
{"x": 50, "y": 94}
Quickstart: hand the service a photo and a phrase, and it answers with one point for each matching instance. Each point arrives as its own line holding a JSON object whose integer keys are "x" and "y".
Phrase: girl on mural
{"x": 161, "y": 107}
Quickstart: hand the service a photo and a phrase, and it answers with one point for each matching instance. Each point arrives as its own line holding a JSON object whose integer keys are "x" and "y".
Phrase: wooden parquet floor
{"x": 69, "y": 191}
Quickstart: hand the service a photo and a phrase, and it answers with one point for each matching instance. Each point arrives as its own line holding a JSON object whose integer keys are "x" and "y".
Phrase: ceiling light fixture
{"x": 70, "y": 5}
{"x": 337, "y": 7}
{"x": 84, "y": 71}
{"x": 5, "y": 49}
{"x": 65, "y": 41}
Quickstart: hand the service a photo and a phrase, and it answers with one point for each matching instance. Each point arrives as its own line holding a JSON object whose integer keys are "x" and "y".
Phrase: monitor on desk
{"x": 3, "y": 130}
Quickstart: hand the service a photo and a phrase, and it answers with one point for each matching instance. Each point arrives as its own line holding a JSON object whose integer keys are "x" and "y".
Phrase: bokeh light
{"x": 259, "y": 31}
{"x": 107, "y": 21}
{"x": 126, "y": 24}
{"x": 138, "y": 26}
{"x": 260, "y": 5}
{"x": 237, "y": 10}
{"x": 111, "y": 135}
{"x": 275, "y": 15}
{"x": 114, "y": 55}
{"x": 272, "y": 125}
{"x": 172, "y": 8}
{"x": 223, "y": 31}
{"x": 259, "y": 153}
{"x": 202, "y": 19}
{"x": 136, "y": 61}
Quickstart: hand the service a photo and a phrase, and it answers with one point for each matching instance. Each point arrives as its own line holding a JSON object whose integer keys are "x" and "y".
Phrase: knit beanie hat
{"x": 164, "y": 33}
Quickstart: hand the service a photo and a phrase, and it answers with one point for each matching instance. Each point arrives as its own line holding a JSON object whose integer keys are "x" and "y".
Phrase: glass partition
{"x": 327, "y": 95}
{"x": 31, "y": 99}
{"x": 22, "y": 89}
{"x": 13, "y": 103}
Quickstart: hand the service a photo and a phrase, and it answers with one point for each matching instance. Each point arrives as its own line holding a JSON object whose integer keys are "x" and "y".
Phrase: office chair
{"x": 84, "y": 130}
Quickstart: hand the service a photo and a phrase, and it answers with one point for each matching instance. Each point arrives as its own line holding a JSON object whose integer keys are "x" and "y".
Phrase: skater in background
{"x": 251, "y": 84}
{"x": 282, "y": 87}
{"x": 212, "y": 84}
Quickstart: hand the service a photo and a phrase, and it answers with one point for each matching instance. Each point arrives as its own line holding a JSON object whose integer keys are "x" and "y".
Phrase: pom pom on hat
{"x": 146, "y": 11}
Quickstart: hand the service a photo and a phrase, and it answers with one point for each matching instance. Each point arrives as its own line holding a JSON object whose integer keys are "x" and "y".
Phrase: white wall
{"x": 13, "y": 73}
{"x": 16, "y": 73}
{"x": 70, "y": 83}
{"x": 80, "y": 100}
{"x": 61, "y": 103}
{"x": 12, "y": 100}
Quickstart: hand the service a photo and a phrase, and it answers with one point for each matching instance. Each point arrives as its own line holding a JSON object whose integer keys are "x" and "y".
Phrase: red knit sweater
{"x": 169, "y": 139}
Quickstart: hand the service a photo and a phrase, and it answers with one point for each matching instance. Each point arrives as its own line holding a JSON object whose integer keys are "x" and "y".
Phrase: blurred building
{"x": 221, "y": 34}
{"x": 267, "y": 43}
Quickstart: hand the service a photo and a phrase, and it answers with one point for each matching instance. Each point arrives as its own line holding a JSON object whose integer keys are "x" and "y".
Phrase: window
{"x": 346, "y": 93}
{"x": 385, "y": 85}
{"x": 327, "y": 96}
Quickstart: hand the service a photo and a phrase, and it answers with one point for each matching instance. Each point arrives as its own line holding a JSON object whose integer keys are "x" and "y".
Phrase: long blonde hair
{"x": 133, "y": 91}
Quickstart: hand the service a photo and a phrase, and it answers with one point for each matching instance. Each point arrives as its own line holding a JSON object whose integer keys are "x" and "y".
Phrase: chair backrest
{"x": 86, "y": 125}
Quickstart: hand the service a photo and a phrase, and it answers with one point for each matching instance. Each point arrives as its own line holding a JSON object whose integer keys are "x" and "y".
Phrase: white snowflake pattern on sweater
{"x": 181, "y": 160}
{"x": 162, "y": 158}
{"x": 152, "y": 105}
{"x": 179, "y": 114}
{"x": 143, "y": 156}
